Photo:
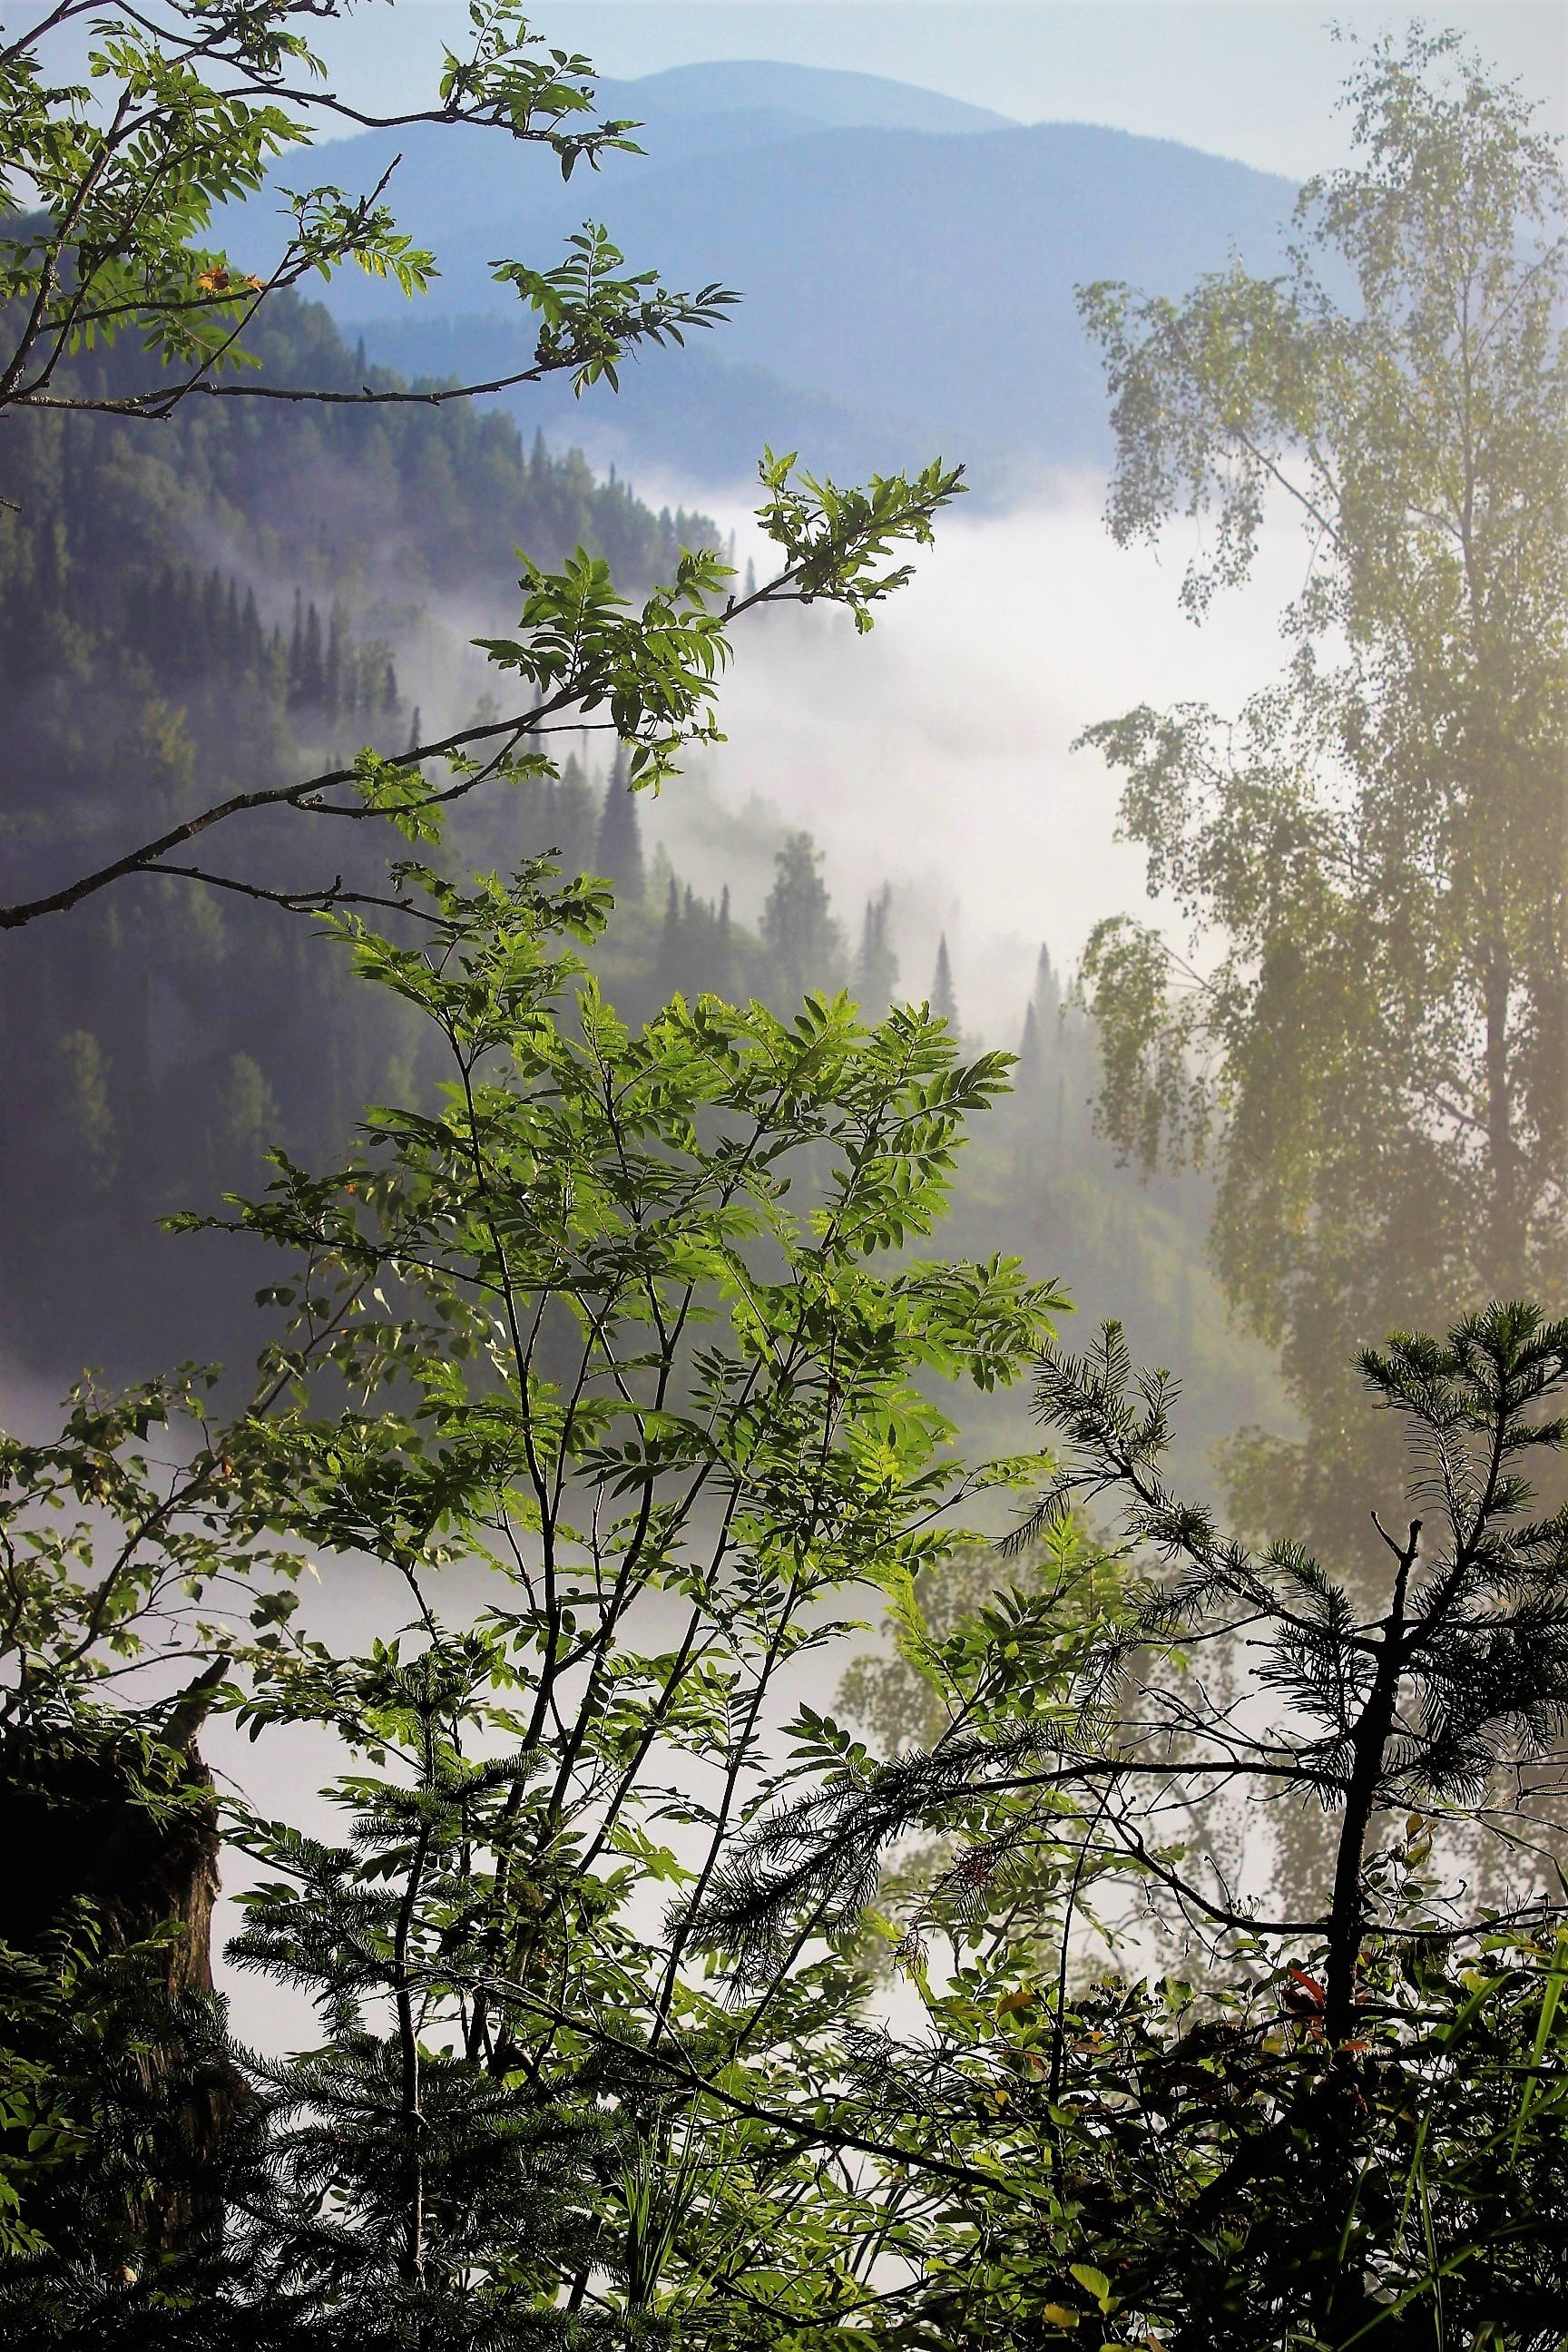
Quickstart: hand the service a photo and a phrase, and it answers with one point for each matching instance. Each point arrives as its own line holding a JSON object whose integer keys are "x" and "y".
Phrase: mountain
{"x": 911, "y": 270}
{"x": 809, "y": 97}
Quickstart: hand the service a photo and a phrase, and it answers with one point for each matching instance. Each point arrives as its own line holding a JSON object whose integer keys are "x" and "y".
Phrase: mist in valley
{"x": 899, "y": 1787}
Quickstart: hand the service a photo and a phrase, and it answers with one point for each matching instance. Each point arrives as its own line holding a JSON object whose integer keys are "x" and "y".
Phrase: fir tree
{"x": 943, "y": 1003}
{"x": 798, "y": 926}
{"x": 876, "y": 965}
{"x": 668, "y": 965}
{"x": 332, "y": 671}
{"x": 212, "y": 633}
{"x": 1048, "y": 987}
{"x": 574, "y": 837}
{"x": 1026, "y": 1077}
{"x": 720, "y": 981}
{"x": 296, "y": 654}
{"x": 312, "y": 666}
{"x": 416, "y": 2191}
{"x": 619, "y": 852}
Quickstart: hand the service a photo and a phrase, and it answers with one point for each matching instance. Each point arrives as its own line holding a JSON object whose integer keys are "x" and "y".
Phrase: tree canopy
{"x": 1373, "y": 1035}
{"x": 611, "y": 1364}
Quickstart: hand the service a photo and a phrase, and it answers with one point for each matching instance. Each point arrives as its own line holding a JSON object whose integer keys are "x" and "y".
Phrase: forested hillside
{"x": 257, "y": 586}
{"x": 186, "y": 613}
{"x": 638, "y": 1287}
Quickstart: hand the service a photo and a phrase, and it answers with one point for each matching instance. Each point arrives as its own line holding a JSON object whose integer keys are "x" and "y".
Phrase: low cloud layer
{"x": 936, "y": 752}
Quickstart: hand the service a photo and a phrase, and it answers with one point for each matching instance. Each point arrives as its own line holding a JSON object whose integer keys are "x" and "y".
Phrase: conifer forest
{"x": 738, "y": 1613}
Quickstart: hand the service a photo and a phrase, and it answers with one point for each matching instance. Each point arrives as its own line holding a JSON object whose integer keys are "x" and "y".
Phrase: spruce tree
{"x": 575, "y": 840}
{"x": 619, "y": 853}
{"x": 1048, "y": 987}
{"x": 668, "y": 968}
{"x": 412, "y": 2190}
{"x": 212, "y": 631}
{"x": 875, "y": 973}
{"x": 296, "y": 654}
{"x": 313, "y": 665}
{"x": 798, "y": 925}
{"x": 721, "y": 979}
{"x": 1026, "y": 1077}
{"x": 943, "y": 1003}
{"x": 332, "y": 668}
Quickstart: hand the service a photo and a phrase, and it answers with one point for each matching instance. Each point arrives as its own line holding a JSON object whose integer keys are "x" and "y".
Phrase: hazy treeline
{"x": 182, "y": 616}
{"x": 655, "y": 1281}
{"x": 237, "y": 596}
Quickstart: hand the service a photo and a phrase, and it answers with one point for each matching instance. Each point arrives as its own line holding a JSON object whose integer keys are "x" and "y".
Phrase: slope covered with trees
{"x": 182, "y": 618}
{"x": 261, "y": 588}
{"x": 624, "y": 1347}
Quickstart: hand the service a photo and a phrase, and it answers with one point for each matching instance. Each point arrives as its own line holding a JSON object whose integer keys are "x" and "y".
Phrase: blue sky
{"x": 1252, "y": 79}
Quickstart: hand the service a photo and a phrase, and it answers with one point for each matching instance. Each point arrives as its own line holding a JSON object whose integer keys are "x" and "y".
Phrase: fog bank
{"x": 935, "y": 754}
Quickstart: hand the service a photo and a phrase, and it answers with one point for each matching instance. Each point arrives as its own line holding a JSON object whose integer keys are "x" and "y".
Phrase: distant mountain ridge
{"x": 816, "y": 95}
{"x": 907, "y": 265}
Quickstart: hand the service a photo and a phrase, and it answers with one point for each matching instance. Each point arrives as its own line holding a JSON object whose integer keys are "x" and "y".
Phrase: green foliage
{"x": 571, "y": 1323}
{"x": 1465, "y": 1675}
{"x": 834, "y": 539}
{"x": 656, "y": 673}
{"x": 611, "y": 1373}
{"x": 976, "y": 1641}
{"x": 875, "y": 976}
{"x": 581, "y": 651}
{"x": 958, "y": 1637}
{"x": 106, "y": 1547}
{"x": 209, "y": 686}
{"x": 1347, "y": 2123}
{"x": 1377, "y": 1048}
{"x": 125, "y": 2117}
{"x": 98, "y": 2165}
{"x": 1182, "y": 2181}
{"x": 184, "y": 112}
{"x": 589, "y": 318}
{"x": 653, "y": 672}
{"x": 398, "y": 2167}
{"x": 126, "y": 181}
